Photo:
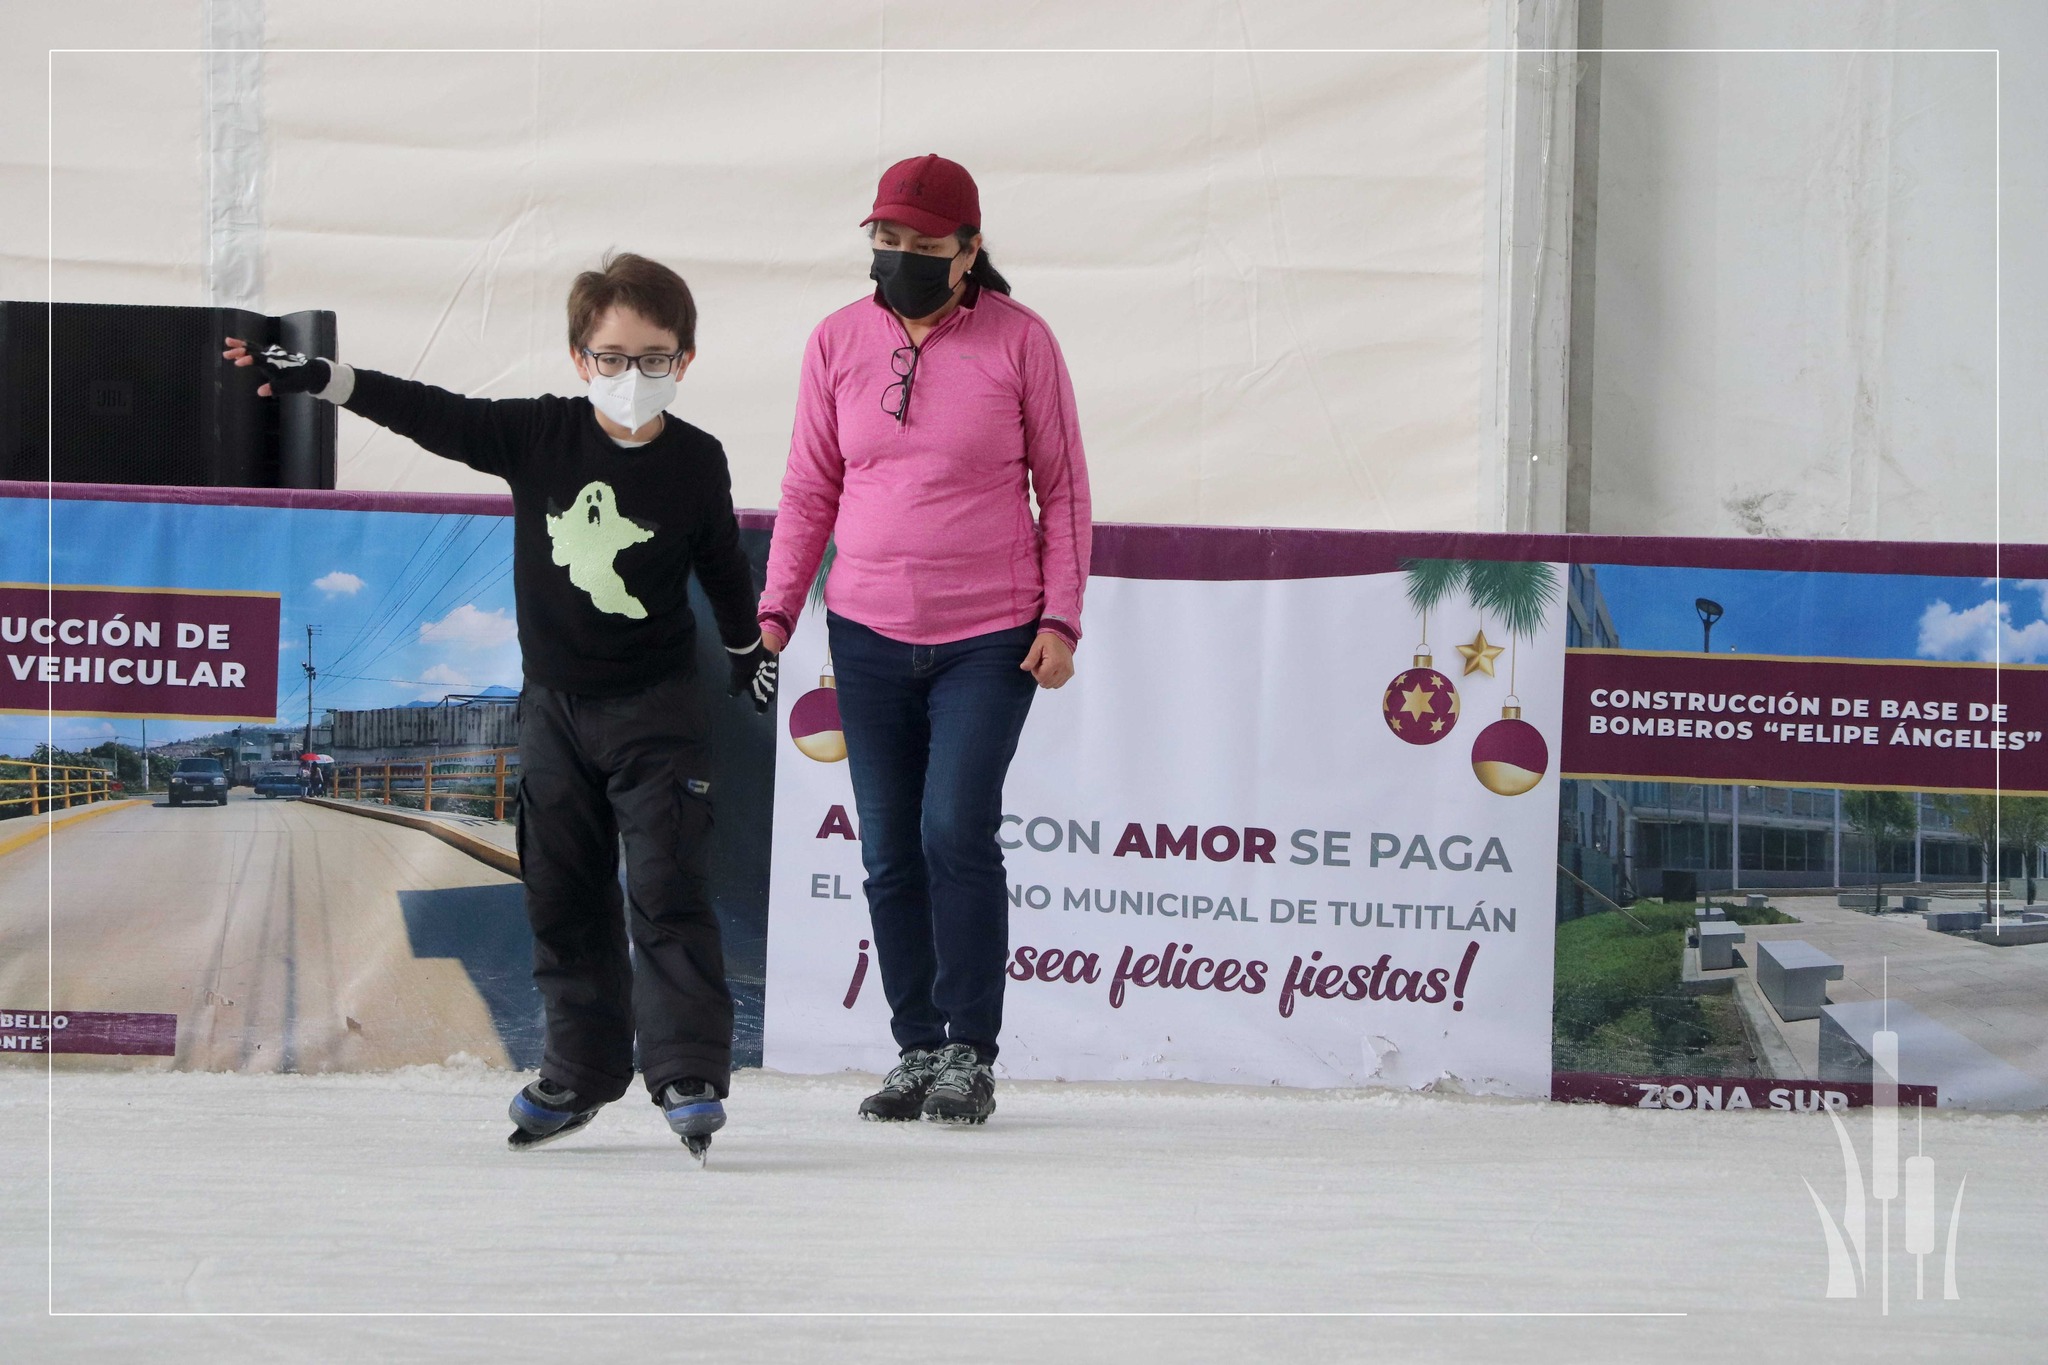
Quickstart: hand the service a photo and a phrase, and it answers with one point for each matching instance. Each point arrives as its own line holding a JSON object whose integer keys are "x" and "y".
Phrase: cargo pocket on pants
{"x": 694, "y": 818}
{"x": 693, "y": 805}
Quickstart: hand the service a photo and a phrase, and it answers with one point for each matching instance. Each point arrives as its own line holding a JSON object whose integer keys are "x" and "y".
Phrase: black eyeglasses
{"x": 612, "y": 364}
{"x": 904, "y": 362}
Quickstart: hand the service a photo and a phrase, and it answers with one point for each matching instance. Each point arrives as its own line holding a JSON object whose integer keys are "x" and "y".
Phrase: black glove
{"x": 289, "y": 372}
{"x": 753, "y": 673}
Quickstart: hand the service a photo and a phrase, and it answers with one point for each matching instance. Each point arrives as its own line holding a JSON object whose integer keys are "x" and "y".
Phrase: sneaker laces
{"x": 914, "y": 1070}
{"x": 956, "y": 1067}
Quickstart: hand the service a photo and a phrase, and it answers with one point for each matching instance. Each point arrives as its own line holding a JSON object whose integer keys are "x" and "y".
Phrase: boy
{"x": 614, "y": 503}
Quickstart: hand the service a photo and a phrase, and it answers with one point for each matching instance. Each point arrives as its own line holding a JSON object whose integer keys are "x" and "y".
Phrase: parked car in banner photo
{"x": 276, "y": 777}
{"x": 199, "y": 779}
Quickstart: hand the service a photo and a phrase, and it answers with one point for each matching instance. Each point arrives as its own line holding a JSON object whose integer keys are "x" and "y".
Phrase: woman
{"x": 927, "y": 417}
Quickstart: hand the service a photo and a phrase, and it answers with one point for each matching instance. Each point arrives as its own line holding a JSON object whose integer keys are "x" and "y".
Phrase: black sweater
{"x": 604, "y": 538}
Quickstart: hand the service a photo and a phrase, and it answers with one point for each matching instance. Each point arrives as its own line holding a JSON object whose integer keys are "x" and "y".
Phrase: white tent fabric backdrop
{"x": 1796, "y": 279}
{"x": 1271, "y": 273}
{"x": 1266, "y": 270}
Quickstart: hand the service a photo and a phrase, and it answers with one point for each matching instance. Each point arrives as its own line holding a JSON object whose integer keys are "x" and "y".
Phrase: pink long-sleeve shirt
{"x": 932, "y": 516}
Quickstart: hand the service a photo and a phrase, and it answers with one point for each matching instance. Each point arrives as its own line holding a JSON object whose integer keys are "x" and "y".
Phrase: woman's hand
{"x": 771, "y": 641}
{"x": 1050, "y": 661}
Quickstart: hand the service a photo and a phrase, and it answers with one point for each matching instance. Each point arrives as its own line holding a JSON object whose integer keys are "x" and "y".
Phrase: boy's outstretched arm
{"x": 485, "y": 434}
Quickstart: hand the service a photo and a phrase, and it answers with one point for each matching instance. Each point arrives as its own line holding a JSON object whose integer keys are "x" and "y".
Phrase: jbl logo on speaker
{"x": 111, "y": 398}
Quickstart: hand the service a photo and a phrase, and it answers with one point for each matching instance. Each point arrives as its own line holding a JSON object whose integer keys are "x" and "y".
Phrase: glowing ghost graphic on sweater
{"x": 587, "y": 539}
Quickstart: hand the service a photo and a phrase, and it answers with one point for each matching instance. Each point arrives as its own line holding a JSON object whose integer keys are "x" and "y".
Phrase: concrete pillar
{"x": 1528, "y": 302}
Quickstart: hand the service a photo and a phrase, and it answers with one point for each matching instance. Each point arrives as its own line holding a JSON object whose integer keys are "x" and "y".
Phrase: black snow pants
{"x": 594, "y": 770}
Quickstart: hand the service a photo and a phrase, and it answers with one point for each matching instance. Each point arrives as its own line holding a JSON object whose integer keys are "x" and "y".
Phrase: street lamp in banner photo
{"x": 1709, "y": 612}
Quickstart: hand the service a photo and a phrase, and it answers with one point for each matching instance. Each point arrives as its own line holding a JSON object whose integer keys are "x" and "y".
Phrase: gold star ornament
{"x": 1479, "y": 655}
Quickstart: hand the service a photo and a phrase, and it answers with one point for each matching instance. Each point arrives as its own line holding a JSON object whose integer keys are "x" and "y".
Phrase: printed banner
{"x": 208, "y": 917}
{"x": 1800, "y": 817}
{"x": 1233, "y": 856}
{"x": 1489, "y": 813}
{"x": 1789, "y": 832}
{"x": 154, "y": 652}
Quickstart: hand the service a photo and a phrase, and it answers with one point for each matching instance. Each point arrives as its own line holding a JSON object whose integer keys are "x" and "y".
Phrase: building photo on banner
{"x": 1204, "y": 682}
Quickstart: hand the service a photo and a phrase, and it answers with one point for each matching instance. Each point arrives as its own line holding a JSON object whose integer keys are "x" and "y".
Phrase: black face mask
{"x": 915, "y": 286}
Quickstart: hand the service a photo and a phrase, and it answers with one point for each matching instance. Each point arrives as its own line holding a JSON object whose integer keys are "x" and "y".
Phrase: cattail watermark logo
{"x": 1850, "y": 1268}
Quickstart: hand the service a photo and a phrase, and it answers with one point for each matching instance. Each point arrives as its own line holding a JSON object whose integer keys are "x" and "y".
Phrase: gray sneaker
{"x": 901, "y": 1097}
{"x": 964, "y": 1090}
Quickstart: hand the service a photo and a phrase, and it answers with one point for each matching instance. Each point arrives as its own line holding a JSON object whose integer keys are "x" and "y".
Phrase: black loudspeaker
{"x": 124, "y": 393}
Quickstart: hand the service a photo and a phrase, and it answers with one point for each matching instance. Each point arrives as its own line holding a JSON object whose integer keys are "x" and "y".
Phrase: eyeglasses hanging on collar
{"x": 904, "y": 363}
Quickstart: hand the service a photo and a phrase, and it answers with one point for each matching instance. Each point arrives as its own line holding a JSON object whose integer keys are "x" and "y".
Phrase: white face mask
{"x": 631, "y": 399}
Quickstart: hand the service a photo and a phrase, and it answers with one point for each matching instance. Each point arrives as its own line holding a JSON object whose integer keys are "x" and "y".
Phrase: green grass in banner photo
{"x": 1619, "y": 1002}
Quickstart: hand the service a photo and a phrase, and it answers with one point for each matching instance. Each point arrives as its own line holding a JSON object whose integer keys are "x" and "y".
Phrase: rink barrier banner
{"x": 1321, "y": 808}
{"x": 1385, "y": 862}
{"x": 89, "y": 1031}
{"x": 1723, "y": 1094}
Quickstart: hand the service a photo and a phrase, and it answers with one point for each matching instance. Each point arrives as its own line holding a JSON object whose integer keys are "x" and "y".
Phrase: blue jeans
{"x": 930, "y": 731}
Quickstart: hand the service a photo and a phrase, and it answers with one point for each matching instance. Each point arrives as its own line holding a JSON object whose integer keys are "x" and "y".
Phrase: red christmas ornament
{"x": 1421, "y": 705}
{"x": 1510, "y": 757}
{"x": 814, "y": 723}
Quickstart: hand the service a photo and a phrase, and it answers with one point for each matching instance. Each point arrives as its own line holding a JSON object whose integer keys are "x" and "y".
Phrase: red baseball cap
{"x": 930, "y": 193}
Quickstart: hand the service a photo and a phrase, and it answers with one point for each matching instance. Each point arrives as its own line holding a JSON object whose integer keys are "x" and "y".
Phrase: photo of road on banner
{"x": 260, "y": 790}
{"x": 1803, "y": 819}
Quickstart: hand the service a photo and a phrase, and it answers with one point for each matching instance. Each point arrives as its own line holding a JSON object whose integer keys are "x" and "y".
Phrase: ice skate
{"x": 545, "y": 1111}
{"x": 963, "y": 1089}
{"x": 693, "y": 1110}
{"x": 901, "y": 1098}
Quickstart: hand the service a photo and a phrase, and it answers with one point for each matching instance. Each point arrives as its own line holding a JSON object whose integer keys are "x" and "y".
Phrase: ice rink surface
{"x": 1125, "y": 1207}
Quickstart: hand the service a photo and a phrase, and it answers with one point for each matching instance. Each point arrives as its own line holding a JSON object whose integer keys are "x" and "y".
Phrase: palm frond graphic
{"x": 1430, "y": 581}
{"x": 1518, "y": 593}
